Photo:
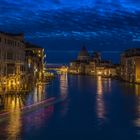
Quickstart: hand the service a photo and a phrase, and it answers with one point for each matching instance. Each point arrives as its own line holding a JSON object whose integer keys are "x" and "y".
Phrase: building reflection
{"x": 39, "y": 93}
{"x": 137, "y": 91}
{"x": 100, "y": 107}
{"x": 109, "y": 85}
{"x": 64, "y": 85}
{"x": 13, "y": 104}
{"x": 64, "y": 92}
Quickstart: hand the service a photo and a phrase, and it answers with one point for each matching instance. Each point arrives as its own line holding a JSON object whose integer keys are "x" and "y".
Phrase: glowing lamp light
{"x": 105, "y": 73}
{"x": 99, "y": 73}
{"x": 4, "y": 82}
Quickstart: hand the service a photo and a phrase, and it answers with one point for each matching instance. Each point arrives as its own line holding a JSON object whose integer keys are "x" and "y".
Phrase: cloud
{"x": 102, "y": 22}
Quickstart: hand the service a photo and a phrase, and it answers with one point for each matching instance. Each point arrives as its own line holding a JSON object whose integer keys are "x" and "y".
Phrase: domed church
{"x": 91, "y": 65}
{"x": 83, "y": 55}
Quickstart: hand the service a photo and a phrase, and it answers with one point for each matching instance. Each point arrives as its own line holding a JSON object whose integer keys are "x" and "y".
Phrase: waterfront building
{"x": 83, "y": 64}
{"x": 21, "y": 64}
{"x": 83, "y": 55}
{"x": 106, "y": 68}
{"x": 12, "y": 62}
{"x": 130, "y": 65}
{"x": 92, "y": 65}
{"x": 35, "y": 63}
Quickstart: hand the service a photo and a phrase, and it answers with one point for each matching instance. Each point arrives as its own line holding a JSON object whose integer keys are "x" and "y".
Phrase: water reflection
{"x": 100, "y": 107}
{"x": 120, "y": 107}
{"x": 64, "y": 92}
{"x": 64, "y": 85}
{"x": 109, "y": 85}
{"x": 137, "y": 91}
{"x": 36, "y": 119}
{"x": 39, "y": 93}
{"x": 14, "y": 119}
{"x": 13, "y": 105}
{"x": 13, "y": 102}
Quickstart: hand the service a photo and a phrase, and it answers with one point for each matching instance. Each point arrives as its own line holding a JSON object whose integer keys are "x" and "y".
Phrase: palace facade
{"x": 130, "y": 65}
{"x": 12, "y": 61}
{"x": 35, "y": 63}
{"x": 21, "y": 64}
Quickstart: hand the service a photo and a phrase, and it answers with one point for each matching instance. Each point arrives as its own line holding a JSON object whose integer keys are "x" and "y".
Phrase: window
{"x": 10, "y": 55}
{"x": 10, "y": 69}
{"x": 5, "y": 41}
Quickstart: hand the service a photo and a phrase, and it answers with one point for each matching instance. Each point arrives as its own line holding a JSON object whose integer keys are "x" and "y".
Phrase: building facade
{"x": 12, "y": 62}
{"x": 130, "y": 65}
{"x": 21, "y": 64}
{"x": 35, "y": 63}
{"x": 91, "y": 65}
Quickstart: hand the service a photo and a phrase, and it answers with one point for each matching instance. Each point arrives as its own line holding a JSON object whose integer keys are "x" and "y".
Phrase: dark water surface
{"x": 99, "y": 109}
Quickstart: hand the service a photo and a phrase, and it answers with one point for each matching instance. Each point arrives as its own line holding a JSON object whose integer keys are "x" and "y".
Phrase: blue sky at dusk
{"x": 62, "y": 26}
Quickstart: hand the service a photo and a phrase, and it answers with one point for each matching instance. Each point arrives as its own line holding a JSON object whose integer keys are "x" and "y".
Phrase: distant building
{"x": 83, "y": 64}
{"x": 106, "y": 68}
{"x": 91, "y": 65}
{"x": 130, "y": 65}
{"x": 83, "y": 55}
{"x": 35, "y": 62}
{"x": 12, "y": 61}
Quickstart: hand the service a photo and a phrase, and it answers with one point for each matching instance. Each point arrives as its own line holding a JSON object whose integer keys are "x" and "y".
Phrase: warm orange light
{"x": 99, "y": 73}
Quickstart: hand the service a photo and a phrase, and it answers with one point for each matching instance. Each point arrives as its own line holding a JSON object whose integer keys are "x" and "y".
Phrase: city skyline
{"x": 70, "y": 69}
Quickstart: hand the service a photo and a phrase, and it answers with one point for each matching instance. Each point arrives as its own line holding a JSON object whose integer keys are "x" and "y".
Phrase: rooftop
{"x": 83, "y": 55}
{"x": 29, "y": 45}
{"x": 11, "y": 34}
{"x": 132, "y": 52}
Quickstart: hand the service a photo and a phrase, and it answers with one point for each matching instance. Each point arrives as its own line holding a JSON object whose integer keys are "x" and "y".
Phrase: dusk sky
{"x": 63, "y": 26}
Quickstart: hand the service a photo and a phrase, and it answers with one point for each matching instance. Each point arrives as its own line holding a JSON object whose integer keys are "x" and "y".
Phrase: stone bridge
{"x": 57, "y": 68}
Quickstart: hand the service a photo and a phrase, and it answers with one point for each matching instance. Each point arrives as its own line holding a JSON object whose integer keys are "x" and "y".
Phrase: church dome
{"x": 83, "y": 55}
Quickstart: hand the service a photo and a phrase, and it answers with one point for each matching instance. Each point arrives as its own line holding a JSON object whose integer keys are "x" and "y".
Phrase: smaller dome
{"x": 83, "y": 55}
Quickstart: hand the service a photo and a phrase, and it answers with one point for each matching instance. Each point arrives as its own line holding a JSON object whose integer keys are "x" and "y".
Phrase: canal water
{"x": 92, "y": 108}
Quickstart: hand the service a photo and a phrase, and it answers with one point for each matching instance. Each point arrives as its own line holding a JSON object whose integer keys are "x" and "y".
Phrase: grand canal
{"x": 91, "y": 108}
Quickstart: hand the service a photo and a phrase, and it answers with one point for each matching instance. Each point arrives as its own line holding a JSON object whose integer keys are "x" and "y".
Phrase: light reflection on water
{"x": 13, "y": 104}
{"x": 39, "y": 93}
{"x": 111, "y": 97}
{"x": 100, "y": 106}
{"x": 35, "y": 120}
{"x": 64, "y": 85}
{"x": 14, "y": 121}
{"x": 137, "y": 120}
{"x": 64, "y": 92}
